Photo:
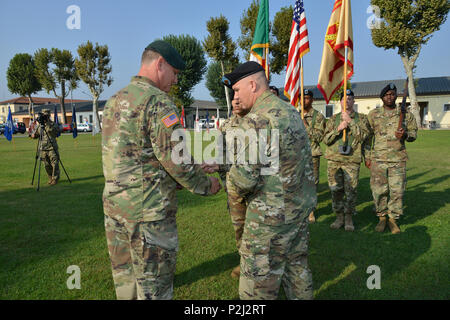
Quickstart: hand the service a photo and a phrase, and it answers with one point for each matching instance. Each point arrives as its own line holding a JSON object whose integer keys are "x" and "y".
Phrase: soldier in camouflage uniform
{"x": 49, "y": 147}
{"x": 139, "y": 198}
{"x": 280, "y": 195}
{"x": 237, "y": 205}
{"x": 314, "y": 123}
{"x": 343, "y": 170}
{"x": 387, "y": 161}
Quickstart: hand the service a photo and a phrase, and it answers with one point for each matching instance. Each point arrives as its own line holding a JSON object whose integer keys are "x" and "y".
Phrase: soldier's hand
{"x": 368, "y": 164}
{"x": 346, "y": 117}
{"x": 305, "y": 123}
{"x": 342, "y": 126}
{"x": 210, "y": 168}
{"x": 215, "y": 185}
{"x": 400, "y": 133}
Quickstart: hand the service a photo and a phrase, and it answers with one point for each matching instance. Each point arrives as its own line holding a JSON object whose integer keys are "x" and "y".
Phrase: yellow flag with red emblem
{"x": 339, "y": 36}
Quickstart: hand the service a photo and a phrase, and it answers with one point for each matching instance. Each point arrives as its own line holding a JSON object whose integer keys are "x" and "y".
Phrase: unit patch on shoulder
{"x": 170, "y": 119}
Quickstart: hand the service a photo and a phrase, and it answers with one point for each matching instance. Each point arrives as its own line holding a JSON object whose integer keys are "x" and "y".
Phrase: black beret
{"x": 349, "y": 93}
{"x": 308, "y": 92}
{"x": 390, "y": 86}
{"x": 243, "y": 70}
{"x": 169, "y": 53}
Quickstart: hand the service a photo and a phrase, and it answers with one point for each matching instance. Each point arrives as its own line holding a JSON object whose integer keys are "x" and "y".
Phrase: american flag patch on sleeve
{"x": 170, "y": 120}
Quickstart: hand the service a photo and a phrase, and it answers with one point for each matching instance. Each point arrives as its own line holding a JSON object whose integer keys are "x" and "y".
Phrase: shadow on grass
{"x": 207, "y": 269}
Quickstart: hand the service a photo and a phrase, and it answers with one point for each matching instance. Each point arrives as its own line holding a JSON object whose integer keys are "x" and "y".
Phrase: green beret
{"x": 243, "y": 70}
{"x": 169, "y": 53}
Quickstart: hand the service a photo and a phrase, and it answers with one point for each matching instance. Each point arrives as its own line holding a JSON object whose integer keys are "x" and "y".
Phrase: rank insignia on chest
{"x": 170, "y": 119}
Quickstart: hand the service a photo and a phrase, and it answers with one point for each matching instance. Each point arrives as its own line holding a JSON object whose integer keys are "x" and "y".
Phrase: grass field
{"x": 42, "y": 233}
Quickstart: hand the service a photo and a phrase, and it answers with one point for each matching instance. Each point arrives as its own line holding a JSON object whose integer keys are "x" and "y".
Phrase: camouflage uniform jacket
{"x": 287, "y": 194}
{"x": 228, "y": 124}
{"x": 357, "y": 133}
{"x": 315, "y": 133}
{"x": 48, "y": 142}
{"x": 384, "y": 145}
{"x": 140, "y": 177}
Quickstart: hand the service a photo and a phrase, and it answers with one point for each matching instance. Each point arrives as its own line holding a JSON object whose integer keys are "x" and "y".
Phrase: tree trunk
{"x": 408, "y": 63}
{"x": 30, "y": 108}
{"x": 226, "y": 92}
{"x": 61, "y": 101}
{"x": 95, "y": 110}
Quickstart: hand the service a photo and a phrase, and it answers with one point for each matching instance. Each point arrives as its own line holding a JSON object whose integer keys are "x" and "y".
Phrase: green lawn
{"x": 42, "y": 233}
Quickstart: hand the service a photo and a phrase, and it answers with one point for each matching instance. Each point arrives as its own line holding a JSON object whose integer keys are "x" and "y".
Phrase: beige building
{"x": 433, "y": 96}
{"x": 19, "y": 107}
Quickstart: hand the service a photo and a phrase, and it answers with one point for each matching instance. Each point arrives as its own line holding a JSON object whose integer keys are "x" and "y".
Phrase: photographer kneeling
{"x": 47, "y": 131}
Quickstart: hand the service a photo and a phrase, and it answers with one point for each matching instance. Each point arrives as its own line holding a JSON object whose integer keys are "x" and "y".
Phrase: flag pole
{"x": 301, "y": 89}
{"x": 345, "y": 90}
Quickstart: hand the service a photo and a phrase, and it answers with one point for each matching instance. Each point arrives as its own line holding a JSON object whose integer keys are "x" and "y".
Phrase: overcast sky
{"x": 127, "y": 27}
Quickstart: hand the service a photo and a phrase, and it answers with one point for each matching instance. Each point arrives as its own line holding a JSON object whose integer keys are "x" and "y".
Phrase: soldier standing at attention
{"x": 49, "y": 146}
{"x": 314, "y": 123}
{"x": 387, "y": 162}
{"x": 236, "y": 204}
{"x": 274, "y": 247}
{"x": 343, "y": 169}
{"x": 139, "y": 199}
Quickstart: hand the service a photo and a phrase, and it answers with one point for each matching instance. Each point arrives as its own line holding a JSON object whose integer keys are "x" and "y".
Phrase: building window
{"x": 20, "y": 108}
{"x": 446, "y": 107}
{"x": 329, "y": 110}
{"x": 81, "y": 119}
{"x": 90, "y": 118}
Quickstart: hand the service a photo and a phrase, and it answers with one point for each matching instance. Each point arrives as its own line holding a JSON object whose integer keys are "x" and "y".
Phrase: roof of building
{"x": 36, "y": 100}
{"x": 79, "y": 107}
{"x": 372, "y": 89}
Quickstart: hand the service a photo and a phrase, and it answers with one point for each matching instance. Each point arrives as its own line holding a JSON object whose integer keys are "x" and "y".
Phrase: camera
{"x": 42, "y": 118}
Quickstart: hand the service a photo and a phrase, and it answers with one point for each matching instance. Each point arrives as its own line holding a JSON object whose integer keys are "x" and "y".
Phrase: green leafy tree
{"x": 56, "y": 69}
{"x": 219, "y": 46}
{"x": 214, "y": 81}
{"x": 248, "y": 24}
{"x": 192, "y": 52}
{"x": 337, "y": 94}
{"x": 93, "y": 68}
{"x": 21, "y": 77}
{"x": 407, "y": 25}
{"x": 281, "y": 32}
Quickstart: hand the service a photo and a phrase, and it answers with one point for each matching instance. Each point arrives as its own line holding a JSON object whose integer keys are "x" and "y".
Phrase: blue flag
{"x": 9, "y": 127}
{"x": 57, "y": 123}
{"x": 74, "y": 123}
{"x": 207, "y": 120}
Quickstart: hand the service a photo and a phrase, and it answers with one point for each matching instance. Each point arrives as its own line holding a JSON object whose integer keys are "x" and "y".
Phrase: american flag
{"x": 298, "y": 47}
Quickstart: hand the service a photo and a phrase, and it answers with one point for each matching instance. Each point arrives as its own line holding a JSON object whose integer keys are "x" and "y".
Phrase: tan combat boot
{"x": 339, "y": 221}
{"x": 381, "y": 225}
{"x": 311, "y": 217}
{"x": 236, "y": 273}
{"x": 349, "y": 223}
{"x": 393, "y": 226}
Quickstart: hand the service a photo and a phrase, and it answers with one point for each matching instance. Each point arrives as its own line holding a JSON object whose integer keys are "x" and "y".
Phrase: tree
{"x": 281, "y": 33}
{"x": 214, "y": 81}
{"x": 21, "y": 77}
{"x": 192, "y": 52}
{"x": 56, "y": 69}
{"x": 248, "y": 23}
{"x": 93, "y": 68}
{"x": 219, "y": 46}
{"x": 407, "y": 25}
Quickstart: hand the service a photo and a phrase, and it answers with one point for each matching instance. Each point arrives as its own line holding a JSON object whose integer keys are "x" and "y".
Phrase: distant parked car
{"x": 2, "y": 128}
{"x": 20, "y": 127}
{"x": 84, "y": 127}
{"x": 67, "y": 127}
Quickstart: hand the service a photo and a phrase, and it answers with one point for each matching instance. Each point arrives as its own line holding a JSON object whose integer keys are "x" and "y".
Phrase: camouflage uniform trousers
{"x": 388, "y": 183}
{"x": 50, "y": 158}
{"x": 271, "y": 255}
{"x": 343, "y": 183}
{"x": 316, "y": 168}
{"x": 143, "y": 257}
{"x": 237, "y": 207}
